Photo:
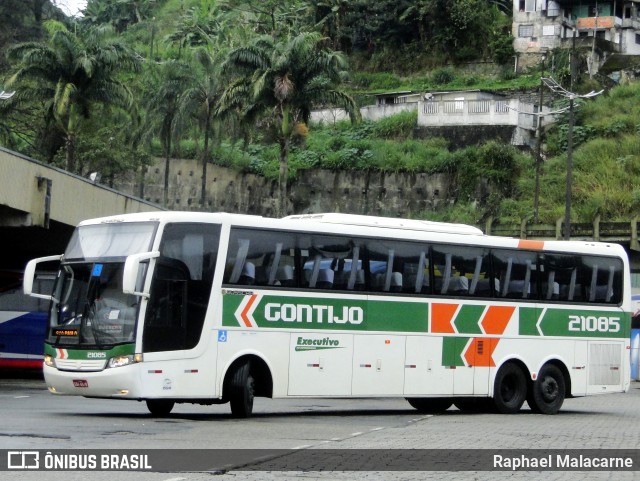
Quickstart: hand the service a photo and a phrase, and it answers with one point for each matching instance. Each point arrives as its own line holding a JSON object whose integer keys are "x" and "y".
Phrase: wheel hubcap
{"x": 549, "y": 389}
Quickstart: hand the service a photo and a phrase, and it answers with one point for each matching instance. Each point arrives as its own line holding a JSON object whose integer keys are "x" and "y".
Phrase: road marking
{"x": 304, "y": 446}
{"x": 19, "y": 397}
{"x": 356, "y": 434}
{"x": 377, "y": 429}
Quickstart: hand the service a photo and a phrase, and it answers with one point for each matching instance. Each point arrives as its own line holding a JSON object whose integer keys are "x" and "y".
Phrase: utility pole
{"x": 558, "y": 89}
{"x": 536, "y": 196}
{"x": 567, "y": 199}
{"x": 593, "y": 44}
{"x": 567, "y": 202}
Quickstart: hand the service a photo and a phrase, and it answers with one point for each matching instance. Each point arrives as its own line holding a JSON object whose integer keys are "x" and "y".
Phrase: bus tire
{"x": 242, "y": 391}
{"x": 432, "y": 405}
{"x": 547, "y": 391}
{"x": 509, "y": 389}
{"x": 160, "y": 407}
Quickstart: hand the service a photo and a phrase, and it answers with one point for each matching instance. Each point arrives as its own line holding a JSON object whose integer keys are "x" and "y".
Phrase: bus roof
{"x": 370, "y": 226}
{"x": 372, "y": 221}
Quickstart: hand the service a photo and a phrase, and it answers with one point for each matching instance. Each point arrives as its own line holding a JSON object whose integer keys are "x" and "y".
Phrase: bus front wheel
{"x": 509, "y": 389}
{"x": 159, "y": 407}
{"x": 242, "y": 391}
{"x": 430, "y": 405}
{"x": 547, "y": 391}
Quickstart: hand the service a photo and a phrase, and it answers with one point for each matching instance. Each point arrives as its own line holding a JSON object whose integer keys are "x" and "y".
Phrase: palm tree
{"x": 330, "y": 17}
{"x": 202, "y": 100}
{"x": 285, "y": 79}
{"x": 71, "y": 74}
{"x": 170, "y": 82}
{"x": 199, "y": 26}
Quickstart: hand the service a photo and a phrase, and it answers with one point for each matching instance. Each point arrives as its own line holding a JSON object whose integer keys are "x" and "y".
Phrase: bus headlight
{"x": 48, "y": 360}
{"x": 120, "y": 361}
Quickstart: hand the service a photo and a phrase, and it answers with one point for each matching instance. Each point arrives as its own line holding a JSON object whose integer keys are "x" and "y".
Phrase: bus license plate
{"x": 80, "y": 383}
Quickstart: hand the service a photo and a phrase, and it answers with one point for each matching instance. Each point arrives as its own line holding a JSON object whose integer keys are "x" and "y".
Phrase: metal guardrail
{"x": 595, "y": 231}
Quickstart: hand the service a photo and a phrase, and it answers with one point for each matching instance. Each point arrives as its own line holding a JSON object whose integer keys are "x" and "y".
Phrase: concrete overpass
{"x": 40, "y": 205}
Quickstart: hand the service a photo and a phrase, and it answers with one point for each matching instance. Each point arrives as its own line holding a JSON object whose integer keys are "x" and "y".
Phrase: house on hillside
{"x": 479, "y": 110}
{"x": 401, "y": 97}
{"x": 387, "y": 104}
{"x": 607, "y": 28}
{"x": 455, "y": 114}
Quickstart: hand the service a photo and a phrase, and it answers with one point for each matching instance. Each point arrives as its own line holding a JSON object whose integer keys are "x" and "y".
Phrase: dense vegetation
{"x": 233, "y": 83}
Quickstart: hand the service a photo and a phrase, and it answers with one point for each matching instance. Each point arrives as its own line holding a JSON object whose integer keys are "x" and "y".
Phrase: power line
{"x": 556, "y": 88}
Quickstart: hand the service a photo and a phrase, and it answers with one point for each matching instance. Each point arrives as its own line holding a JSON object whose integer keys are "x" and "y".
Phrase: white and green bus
{"x": 209, "y": 308}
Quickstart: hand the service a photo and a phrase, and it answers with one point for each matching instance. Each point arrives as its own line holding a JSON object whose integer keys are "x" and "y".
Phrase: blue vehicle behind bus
{"x": 23, "y": 322}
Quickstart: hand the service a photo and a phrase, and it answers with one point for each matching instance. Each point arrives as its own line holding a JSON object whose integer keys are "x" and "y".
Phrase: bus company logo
{"x": 252, "y": 311}
{"x": 96, "y": 355}
{"x": 274, "y": 312}
{"x": 305, "y": 344}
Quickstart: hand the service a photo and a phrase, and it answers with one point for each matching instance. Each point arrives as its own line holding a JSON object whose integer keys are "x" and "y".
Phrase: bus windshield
{"x": 89, "y": 307}
{"x": 110, "y": 241}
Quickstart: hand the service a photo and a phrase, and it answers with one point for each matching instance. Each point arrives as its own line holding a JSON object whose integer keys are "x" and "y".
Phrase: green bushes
{"x": 443, "y": 76}
{"x": 398, "y": 127}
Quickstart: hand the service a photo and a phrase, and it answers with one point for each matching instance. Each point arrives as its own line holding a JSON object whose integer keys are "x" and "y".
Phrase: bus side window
{"x": 461, "y": 271}
{"x": 398, "y": 267}
{"x": 248, "y": 274}
{"x": 181, "y": 286}
{"x": 602, "y": 279}
{"x": 517, "y": 272}
{"x": 329, "y": 262}
{"x": 560, "y": 279}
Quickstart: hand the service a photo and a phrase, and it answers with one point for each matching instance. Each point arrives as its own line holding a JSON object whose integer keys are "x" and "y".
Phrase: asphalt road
{"x": 31, "y": 418}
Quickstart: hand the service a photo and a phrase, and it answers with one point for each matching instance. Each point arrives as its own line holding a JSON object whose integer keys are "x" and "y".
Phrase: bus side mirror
{"x": 29, "y": 275}
{"x": 132, "y": 270}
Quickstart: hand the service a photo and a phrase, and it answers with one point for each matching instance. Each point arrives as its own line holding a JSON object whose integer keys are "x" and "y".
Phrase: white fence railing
{"x": 471, "y": 112}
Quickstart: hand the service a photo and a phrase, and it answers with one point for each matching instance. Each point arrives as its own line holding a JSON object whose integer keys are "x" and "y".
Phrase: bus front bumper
{"x": 121, "y": 382}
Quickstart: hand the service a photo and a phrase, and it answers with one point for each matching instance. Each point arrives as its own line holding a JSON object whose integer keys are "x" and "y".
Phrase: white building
{"x": 607, "y": 27}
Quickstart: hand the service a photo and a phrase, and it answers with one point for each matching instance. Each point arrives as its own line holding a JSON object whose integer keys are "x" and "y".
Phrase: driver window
{"x": 181, "y": 286}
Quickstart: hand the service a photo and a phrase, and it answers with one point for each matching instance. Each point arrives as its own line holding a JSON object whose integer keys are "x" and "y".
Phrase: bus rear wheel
{"x": 547, "y": 391}
{"x": 509, "y": 389}
{"x": 159, "y": 407}
{"x": 242, "y": 391}
{"x": 430, "y": 405}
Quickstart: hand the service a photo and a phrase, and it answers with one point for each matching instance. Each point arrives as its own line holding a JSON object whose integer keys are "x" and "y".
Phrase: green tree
{"x": 204, "y": 25}
{"x": 282, "y": 81}
{"x": 202, "y": 100}
{"x": 71, "y": 74}
{"x": 169, "y": 82}
{"x": 329, "y": 15}
{"x": 118, "y": 13}
{"x": 268, "y": 17}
